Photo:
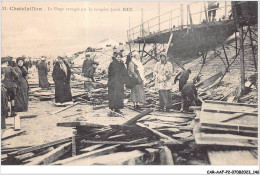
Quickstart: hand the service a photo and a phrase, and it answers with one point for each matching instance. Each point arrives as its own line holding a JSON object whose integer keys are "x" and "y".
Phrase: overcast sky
{"x": 52, "y": 33}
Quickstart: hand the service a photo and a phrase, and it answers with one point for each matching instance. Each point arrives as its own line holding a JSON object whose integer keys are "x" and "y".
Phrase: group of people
{"x": 130, "y": 74}
{"x": 14, "y": 88}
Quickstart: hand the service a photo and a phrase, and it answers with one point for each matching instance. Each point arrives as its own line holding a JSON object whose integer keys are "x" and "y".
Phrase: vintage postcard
{"x": 130, "y": 83}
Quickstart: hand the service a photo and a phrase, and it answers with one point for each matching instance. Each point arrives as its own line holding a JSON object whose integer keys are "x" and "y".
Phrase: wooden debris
{"x": 167, "y": 138}
{"x": 80, "y": 123}
{"x": 9, "y": 133}
{"x": 63, "y": 109}
{"x": 182, "y": 135}
{"x": 86, "y": 155}
{"x": 134, "y": 120}
{"x": 52, "y": 156}
{"x": 231, "y": 157}
{"x": 166, "y": 156}
{"x": 38, "y": 147}
{"x": 91, "y": 148}
{"x": 203, "y": 138}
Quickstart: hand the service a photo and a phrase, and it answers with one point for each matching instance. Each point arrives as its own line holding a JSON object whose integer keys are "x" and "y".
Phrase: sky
{"x": 58, "y": 30}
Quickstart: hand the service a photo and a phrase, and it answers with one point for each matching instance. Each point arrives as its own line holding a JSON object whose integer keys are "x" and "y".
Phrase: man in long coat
{"x": 61, "y": 76}
{"x": 43, "y": 73}
{"x": 117, "y": 74}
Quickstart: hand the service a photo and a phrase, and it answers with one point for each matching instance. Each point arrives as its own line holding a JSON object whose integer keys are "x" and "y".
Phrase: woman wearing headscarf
{"x": 61, "y": 76}
{"x": 163, "y": 72}
{"x": 22, "y": 94}
{"x": 136, "y": 68}
{"x": 116, "y": 79}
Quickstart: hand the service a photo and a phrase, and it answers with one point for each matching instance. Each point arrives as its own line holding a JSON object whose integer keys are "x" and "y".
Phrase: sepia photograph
{"x": 88, "y": 83}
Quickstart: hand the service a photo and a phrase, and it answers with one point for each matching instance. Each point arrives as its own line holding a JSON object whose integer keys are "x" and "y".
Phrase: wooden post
{"x": 225, "y": 9}
{"x": 252, "y": 46}
{"x": 242, "y": 61}
{"x": 169, "y": 43}
{"x": 159, "y": 22}
{"x": 142, "y": 22}
{"x": 181, "y": 15}
{"x": 191, "y": 23}
{"x": 17, "y": 122}
{"x": 73, "y": 140}
{"x": 143, "y": 51}
{"x": 206, "y": 12}
{"x": 171, "y": 22}
{"x": 200, "y": 12}
{"x": 155, "y": 50}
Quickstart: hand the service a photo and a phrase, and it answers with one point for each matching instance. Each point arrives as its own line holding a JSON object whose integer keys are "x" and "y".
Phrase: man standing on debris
{"x": 86, "y": 65}
{"x": 61, "y": 76}
{"x": 9, "y": 82}
{"x": 189, "y": 95}
{"x": 117, "y": 74}
{"x": 163, "y": 73}
{"x": 183, "y": 77}
{"x": 43, "y": 73}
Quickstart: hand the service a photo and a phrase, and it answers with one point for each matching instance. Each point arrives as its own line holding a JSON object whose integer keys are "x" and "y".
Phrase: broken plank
{"x": 165, "y": 155}
{"x": 209, "y": 81}
{"x": 65, "y": 108}
{"x": 134, "y": 157}
{"x": 168, "y": 139}
{"x": 87, "y": 155}
{"x": 203, "y": 138}
{"x": 80, "y": 123}
{"x": 91, "y": 148}
{"x": 52, "y": 156}
{"x": 9, "y": 133}
{"x": 31, "y": 154}
{"x": 28, "y": 116}
{"x": 134, "y": 120}
{"x": 231, "y": 157}
{"x": 38, "y": 147}
{"x": 107, "y": 142}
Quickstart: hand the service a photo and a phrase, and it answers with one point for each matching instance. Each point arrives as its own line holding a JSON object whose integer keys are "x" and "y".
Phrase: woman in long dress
{"x": 136, "y": 68}
{"x": 22, "y": 94}
{"x": 61, "y": 76}
{"x": 116, "y": 79}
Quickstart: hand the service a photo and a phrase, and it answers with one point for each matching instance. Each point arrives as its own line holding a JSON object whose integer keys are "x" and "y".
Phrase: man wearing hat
{"x": 43, "y": 73}
{"x": 86, "y": 65}
{"x": 9, "y": 81}
{"x": 163, "y": 73}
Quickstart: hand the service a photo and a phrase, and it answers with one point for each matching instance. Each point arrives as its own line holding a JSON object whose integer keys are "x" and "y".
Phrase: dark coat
{"x": 22, "y": 94}
{"x": 62, "y": 83}
{"x": 183, "y": 77}
{"x": 117, "y": 75}
{"x": 43, "y": 72}
{"x": 86, "y": 65}
{"x": 4, "y": 107}
{"x": 11, "y": 77}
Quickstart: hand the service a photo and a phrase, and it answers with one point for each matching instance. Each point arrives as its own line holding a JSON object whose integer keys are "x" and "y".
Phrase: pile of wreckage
{"x": 217, "y": 133}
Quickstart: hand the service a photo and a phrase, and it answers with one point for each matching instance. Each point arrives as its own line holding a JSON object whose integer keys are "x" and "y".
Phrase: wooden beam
{"x": 169, "y": 43}
{"x": 80, "y": 123}
{"x": 38, "y": 147}
{"x": 87, "y": 155}
{"x": 242, "y": 60}
{"x": 165, "y": 155}
{"x": 181, "y": 16}
{"x": 110, "y": 142}
{"x": 63, "y": 109}
{"x": 52, "y": 156}
{"x": 9, "y": 133}
{"x": 134, "y": 120}
{"x": 168, "y": 139}
{"x": 91, "y": 148}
